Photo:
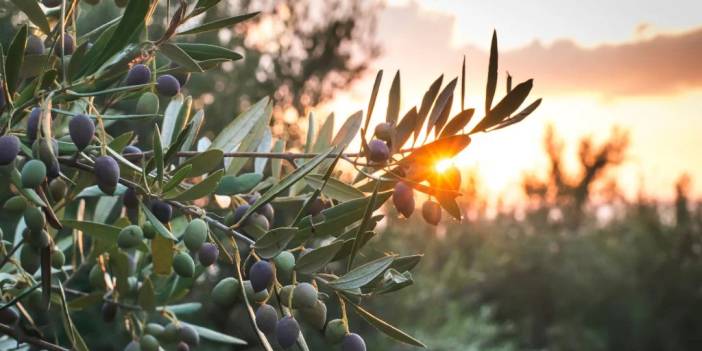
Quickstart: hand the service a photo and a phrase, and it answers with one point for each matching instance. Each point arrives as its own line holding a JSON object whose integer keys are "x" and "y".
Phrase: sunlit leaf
{"x": 505, "y": 107}
{"x": 394, "y": 100}
{"x": 491, "y": 84}
{"x": 334, "y": 188}
{"x": 208, "y": 52}
{"x": 457, "y": 123}
{"x": 214, "y": 25}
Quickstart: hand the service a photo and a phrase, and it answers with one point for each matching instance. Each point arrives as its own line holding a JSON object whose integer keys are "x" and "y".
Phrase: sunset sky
{"x": 597, "y": 64}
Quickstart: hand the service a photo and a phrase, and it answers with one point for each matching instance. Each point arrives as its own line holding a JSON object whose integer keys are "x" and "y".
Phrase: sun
{"x": 442, "y": 165}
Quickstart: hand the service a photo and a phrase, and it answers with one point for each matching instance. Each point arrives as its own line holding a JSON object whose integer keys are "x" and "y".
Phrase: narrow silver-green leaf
{"x": 316, "y": 259}
{"x": 201, "y": 189}
{"x": 34, "y": 13}
{"x": 384, "y": 326}
{"x": 334, "y": 188}
{"x": 362, "y": 275}
{"x": 177, "y": 55}
{"x": 274, "y": 241}
{"x": 214, "y": 25}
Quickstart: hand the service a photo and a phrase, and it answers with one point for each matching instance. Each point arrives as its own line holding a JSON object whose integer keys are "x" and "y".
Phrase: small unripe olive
{"x": 58, "y": 259}
{"x": 284, "y": 294}
{"x": 304, "y": 296}
{"x": 34, "y": 218}
{"x": 162, "y": 211}
{"x": 378, "y": 151}
{"x": 9, "y": 316}
{"x": 138, "y": 74}
{"x": 147, "y": 104}
{"x": 38, "y": 239}
{"x": 383, "y": 131}
{"x": 108, "y": 311}
{"x": 65, "y": 46}
{"x": 134, "y": 344}
{"x": 183, "y": 265}
{"x": 9, "y": 149}
{"x": 149, "y": 343}
{"x": 259, "y": 221}
{"x": 106, "y": 174}
{"x": 287, "y": 331}
{"x": 58, "y": 189}
{"x": 189, "y": 335}
{"x": 266, "y": 318}
{"x": 29, "y": 259}
{"x": 82, "y": 129}
{"x": 170, "y": 333}
{"x": 16, "y": 203}
{"x": 261, "y": 275}
{"x": 253, "y": 296}
{"x": 130, "y": 236}
{"x": 148, "y": 230}
{"x": 208, "y": 254}
{"x": 335, "y": 331}
{"x": 35, "y": 46}
{"x": 403, "y": 199}
{"x": 431, "y": 211}
{"x": 167, "y": 85}
{"x": 33, "y": 174}
{"x": 353, "y": 342}
{"x": 46, "y": 150}
{"x": 225, "y": 292}
{"x": 154, "y": 329}
{"x": 315, "y": 316}
{"x": 195, "y": 234}
{"x": 284, "y": 262}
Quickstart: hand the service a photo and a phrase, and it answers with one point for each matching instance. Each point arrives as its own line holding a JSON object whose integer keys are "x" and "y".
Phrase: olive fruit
{"x": 284, "y": 294}
{"x": 284, "y": 262}
{"x": 38, "y": 239}
{"x": 130, "y": 236}
{"x": 431, "y": 211}
{"x": 335, "y": 331}
{"x": 132, "y": 154}
{"x": 267, "y": 211}
{"x": 96, "y": 278}
{"x": 148, "y": 230}
{"x": 383, "y": 131}
{"x": 378, "y": 151}
{"x": 9, "y": 315}
{"x": 182, "y": 77}
{"x": 287, "y": 331}
{"x": 35, "y": 46}
{"x": 225, "y": 292}
{"x": 170, "y": 333}
{"x": 106, "y": 174}
{"x": 304, "y": 296}
{"x": 149, "y": 343}
{"x": 188, "y": 335}
{"x": 34, "y": 218}
{"x": 121, "y": 3}
{"x": 316, "y": 207}
{"x": 133, "y": 345}
{"x": 138, "y": 74}
{"x": 259, "y": 221}
{"x": 108, "y": 311}
{"x": 167, "y": 85}
{"x": 46, "y": 150}
{"x": 82, "y": 129}
{"x": 183, "y": 265}
{"x": 33, "y": 173}
{"x": 195, "y": 234}
{"x": 239, "y": 214}
{"x": 29, "y": 259}
{"x": 33, "y": 124}
{"x": 154, "y": 329}
{"x": 353, "y": 342}
{"x": 9, "y": 149}
{"x": 16, "y": 203}
{"x": 58, "y": 189}
{"x": 58, "y": 259}
{"x": 162, "y": 211}
{"x": 208, "y": 254}
{"x": 261, "y": 275}
{"x": 65, "y": 46}
{"x": 147, "y": 104}
{"x": 51, "y": 3}
{"x": 316, "y": 316}
{"x": 130, "y": 198}
{"x": 266, "y": 318}
{"x": 403, "y": 199}
{"x": 182, "y": 346}
{"x": 251, "y": 295}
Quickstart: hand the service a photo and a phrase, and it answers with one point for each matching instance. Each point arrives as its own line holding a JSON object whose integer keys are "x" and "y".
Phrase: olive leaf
{"x": 223, "y": 23}
{"x": 34, "y": 13}
{"x": 362, "y": 275}
{"x": 316, "y": 259}
{"x": 201, "y": 189}
{"x": 274, "y": 241}
{"x": 334, "y": 188}
{"x": 394, "y": 101}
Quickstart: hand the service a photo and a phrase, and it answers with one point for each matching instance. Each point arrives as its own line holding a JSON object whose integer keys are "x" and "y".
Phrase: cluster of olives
{"x": 180, "y": 335}
{"x": 403, "y": 199}
{"x": 378, "y": 149}
{"x": 262, "y": 218}
{"x": 167, "y": 85}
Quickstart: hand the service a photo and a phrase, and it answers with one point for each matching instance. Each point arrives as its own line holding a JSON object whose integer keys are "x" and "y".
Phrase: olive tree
{"x": 140, "y": 224}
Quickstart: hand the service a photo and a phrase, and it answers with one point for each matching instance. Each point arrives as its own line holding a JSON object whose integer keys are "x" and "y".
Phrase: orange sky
{"x": 595, "y": 66}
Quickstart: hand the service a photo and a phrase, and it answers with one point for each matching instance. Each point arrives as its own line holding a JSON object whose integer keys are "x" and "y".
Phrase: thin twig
{"x": 22, "y": 338}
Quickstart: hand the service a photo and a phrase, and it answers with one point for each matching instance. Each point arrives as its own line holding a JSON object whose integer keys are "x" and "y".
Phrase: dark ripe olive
{"x": 33, "y": 174}
{"x": 29, "y": 259}
{"x": 162, "y": 211}
{"x": 335, "y": 331}
{"x": 33, "y": 124}
{"x": 58, "y": 259}
{"x": 431, "y": 211}
{"x": 167, "y": 85}
{"x": 189, "y": 335}
{"x": 130, "y": 237}
{"x": 195, "y": 234}
{"x": 304, "y": 296}
{"x": 108, "y": 311}
{"x": 378, "y": 151}
{"x": 65, "y": 46}
{"x": 138, "y": 74}
{"x": 148, "y": 230}
{"x": 316, "y": 207}
{"x": 207, "y": 254}
{"x": 130, "y": 199}
{"x": 353, "y": 342}
{"x": 182, "y": 346}
{"x": 251, "y": 198}
{"x": 267, "y": 211}
{"x": 147, "y": 104}
{"x": 51, "y": 3}
{"x": 82, "y": 129}
{"x": 9, "y": 315}
{"x": 315, "y": 316}
{"x": 34, "y": 218}
{"x": 35, "y": 46}
{"x": 58, "y": 189}
{"x": 182, "y": 77}
{"x": 239, "y": 214}
{"x": 132, "y": 154}
{"x": 266, "y": 318}
{"x": 106, "y": 174}
{"x": 183, "y": 265}
{"x": 9, "y": 149}
{"x": 403, "y": 199}
{"x": 149, "y": 343}
{"x": 261, "y": 275}
{"x": 383, "y": 131}
{"x": 226, "y": 291}
{"x": 287, "y": 331}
